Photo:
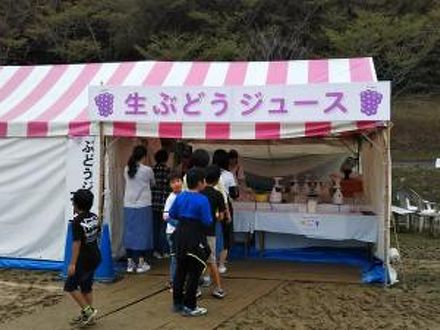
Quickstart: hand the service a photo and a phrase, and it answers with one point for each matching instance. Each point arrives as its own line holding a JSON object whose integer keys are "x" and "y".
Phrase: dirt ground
{"x": 282, "y": 296}
{"x": 414, "y": 304}
{"x": 22, "y": 292}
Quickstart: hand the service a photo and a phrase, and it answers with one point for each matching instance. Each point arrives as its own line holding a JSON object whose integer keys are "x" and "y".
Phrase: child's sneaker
{"x": 143, "y": 268}
{"x": 157, "y": 255}
{"x": 222, "y": 269}
{"x": 206, "y": 281}
{"x": 198, "y": 311}
{"x": 77, "y": 319}
{"x": 131, "y": 266}
{"x": 88, "y": 316}
{"x": 218, "y": 293}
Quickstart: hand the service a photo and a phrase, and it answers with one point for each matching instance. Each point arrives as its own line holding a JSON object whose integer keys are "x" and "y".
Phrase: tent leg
{"x": 101, "y": 173}
{"x": 387, "y": 199}
{"x": 262, "y": 244}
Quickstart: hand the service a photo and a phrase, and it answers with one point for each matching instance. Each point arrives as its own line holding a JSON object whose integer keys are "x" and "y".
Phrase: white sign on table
{"x": 283, "y": 103}
{"x": 308, "y": 223}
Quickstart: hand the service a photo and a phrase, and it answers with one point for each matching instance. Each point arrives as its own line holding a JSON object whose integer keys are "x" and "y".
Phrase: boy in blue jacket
{"x": 193, "y": 212}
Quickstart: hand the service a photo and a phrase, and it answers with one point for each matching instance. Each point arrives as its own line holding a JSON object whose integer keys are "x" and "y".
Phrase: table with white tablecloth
{"x": 330, "y": 222}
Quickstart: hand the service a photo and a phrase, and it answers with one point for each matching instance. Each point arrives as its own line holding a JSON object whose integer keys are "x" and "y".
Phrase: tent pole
{"x": 386, "y": 161}
{"x": 387, "y": 199}
{"x": 101, "y": 173}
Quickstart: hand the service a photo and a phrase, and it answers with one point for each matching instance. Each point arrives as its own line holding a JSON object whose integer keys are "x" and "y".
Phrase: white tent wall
{"x": 33, "y": 191}
{"x": 37, "y": 176}
{"x": 375, "y": 164}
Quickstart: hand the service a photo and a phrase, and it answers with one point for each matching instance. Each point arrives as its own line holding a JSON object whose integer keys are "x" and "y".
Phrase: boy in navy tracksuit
{"x": 192, "y": 210}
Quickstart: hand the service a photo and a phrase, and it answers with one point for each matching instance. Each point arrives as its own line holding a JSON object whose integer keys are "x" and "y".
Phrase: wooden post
{"x": 101, "y": 187}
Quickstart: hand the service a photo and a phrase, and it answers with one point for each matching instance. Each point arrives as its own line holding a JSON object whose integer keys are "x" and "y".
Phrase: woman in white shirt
{"x": 138, "y": 215}
{"x": 221, "y": 159}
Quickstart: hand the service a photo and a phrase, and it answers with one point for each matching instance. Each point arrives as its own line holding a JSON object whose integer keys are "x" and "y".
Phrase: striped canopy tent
{"x": 49, "y": 143}
{"x": 52, "y": 100}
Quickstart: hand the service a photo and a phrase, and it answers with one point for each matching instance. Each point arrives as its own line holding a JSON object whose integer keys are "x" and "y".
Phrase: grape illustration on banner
{"x": 370, "y": 100}
{"x": 104, "y": 102}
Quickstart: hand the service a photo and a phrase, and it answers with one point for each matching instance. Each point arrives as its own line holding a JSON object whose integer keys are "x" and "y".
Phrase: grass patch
{"x": 416, "y": 131}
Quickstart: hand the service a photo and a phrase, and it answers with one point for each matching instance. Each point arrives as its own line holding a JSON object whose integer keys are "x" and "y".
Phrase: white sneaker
{"x": 198, "y": 311}
{"x": 157, "y": 255}
{"x": 143, "y": 268}
{"x": 131, "y": 266}
{"x": 206, "y": 281}
{"x": 218, "y": 293}
{"x": 222, "y": 269}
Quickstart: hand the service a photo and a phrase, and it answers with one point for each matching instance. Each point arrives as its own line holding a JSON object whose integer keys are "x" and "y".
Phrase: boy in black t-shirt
{"x": 218, "y": 209}
{"x": 85, "y": 256}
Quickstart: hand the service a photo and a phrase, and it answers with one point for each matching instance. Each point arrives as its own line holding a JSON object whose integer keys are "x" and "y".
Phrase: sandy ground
{"x": 261, "y": 296}
{"x": 414, "y": 304}
{"x": 22, "y": 293}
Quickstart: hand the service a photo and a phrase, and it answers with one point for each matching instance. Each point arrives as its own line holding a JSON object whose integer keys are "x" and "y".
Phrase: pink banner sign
{"x": 285, "y": 103}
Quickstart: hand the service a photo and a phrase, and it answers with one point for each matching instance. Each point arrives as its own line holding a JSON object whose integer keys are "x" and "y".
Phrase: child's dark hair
{"x": 161, "y": 156}
{"x": 83, "y": 200}
{"x": 194, "y": 177}
{"x": 233, "y": 154}
{"x": 138, "y": 153}
{"x": 200, "y": 158}
{"x": 175, "y": 176}
{"x": 212, "y": 174}
{"x": 221, "y": 159}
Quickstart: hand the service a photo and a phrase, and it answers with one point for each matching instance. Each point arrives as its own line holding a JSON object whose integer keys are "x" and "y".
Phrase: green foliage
{"x": 403, "y": 36}
{"x": 398, "y": 44}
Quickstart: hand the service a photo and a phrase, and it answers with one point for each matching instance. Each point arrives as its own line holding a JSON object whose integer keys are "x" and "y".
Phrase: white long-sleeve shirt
{"x": 138, "y": 189}
{"x": 169, "y": 202}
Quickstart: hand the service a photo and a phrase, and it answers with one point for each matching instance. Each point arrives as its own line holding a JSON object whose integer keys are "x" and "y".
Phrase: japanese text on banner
{"x": 320, "y": 102}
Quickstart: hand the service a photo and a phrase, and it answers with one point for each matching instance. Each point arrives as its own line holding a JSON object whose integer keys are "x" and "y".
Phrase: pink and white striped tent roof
{"x": 52, "y": 100}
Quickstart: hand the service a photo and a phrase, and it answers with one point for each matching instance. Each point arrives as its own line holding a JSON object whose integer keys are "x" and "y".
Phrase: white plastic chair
{"x": 429, "y": 208}
{"x": 409, "y": 206}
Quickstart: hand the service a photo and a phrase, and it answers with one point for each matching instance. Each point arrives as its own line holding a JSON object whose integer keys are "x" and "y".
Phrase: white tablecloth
{"x": 332, "y": 226}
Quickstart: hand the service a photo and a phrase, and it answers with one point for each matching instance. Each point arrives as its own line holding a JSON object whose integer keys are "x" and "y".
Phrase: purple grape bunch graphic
{"x": 370, "y": 100}
{"x": 104, "y": 102}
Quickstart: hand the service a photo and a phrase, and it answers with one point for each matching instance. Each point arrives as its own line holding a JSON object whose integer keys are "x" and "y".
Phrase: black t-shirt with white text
{"x": 86, "y": 229}
{"x": 217, "y": 204}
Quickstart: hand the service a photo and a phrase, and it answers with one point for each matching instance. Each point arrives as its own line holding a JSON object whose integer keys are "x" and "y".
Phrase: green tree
{"x": 398, "y": 44}
{"x": 402, "y": 35}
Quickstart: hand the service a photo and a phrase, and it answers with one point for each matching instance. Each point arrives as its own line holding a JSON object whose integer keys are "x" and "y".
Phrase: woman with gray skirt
{"x": 138, "y": 215}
